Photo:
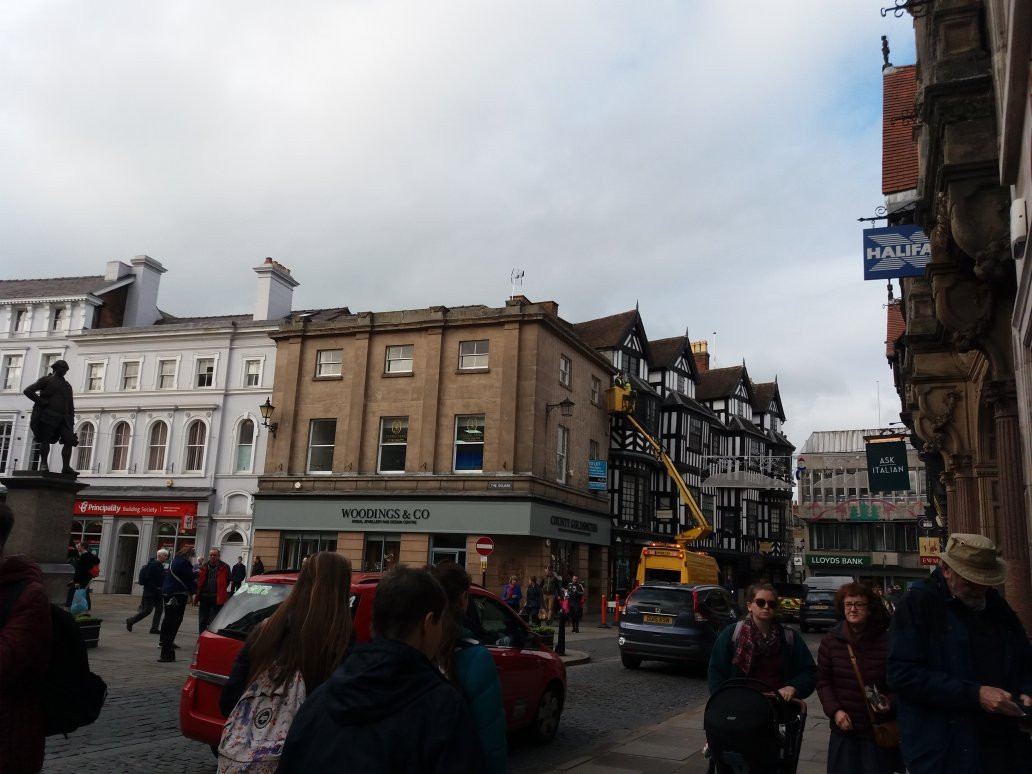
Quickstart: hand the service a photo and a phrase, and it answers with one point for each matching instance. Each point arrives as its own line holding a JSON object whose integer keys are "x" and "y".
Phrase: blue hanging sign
{"x": 896, "y": 251}
{"x": 598, "y": 475}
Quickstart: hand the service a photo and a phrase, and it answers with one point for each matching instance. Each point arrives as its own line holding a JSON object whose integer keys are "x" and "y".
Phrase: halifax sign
{"x": 896, "y": 251}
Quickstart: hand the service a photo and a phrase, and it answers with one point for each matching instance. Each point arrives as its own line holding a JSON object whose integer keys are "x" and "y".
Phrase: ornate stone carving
{"x": 1001, "y": 395}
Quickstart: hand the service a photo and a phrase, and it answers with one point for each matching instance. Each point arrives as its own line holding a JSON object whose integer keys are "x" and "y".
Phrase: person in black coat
{"x": 237, "y": 575}
{"x": 83, "y": 574}
{"x": 388, "y": 709}
{"x": 152, "y": 578}
{"x": 176, "y": 591}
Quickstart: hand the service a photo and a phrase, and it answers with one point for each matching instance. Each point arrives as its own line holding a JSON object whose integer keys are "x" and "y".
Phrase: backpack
{"x": 255, "y": 731}
{"x": 71, "y": 696}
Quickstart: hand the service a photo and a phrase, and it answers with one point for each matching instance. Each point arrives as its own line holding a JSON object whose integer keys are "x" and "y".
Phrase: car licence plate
{"x": 660, "y": 619}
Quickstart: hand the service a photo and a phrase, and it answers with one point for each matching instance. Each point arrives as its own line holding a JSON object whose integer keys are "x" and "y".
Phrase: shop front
{"x": 125, "y": 533}
{"x": 884, "y": 569}
{"x": 377, "y": 534}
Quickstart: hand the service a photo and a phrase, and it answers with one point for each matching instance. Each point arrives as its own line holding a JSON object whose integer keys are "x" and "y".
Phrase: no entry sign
{"x": 484, "y": 546}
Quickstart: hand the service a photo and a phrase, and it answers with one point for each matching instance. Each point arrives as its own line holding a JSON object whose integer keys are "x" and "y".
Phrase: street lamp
{"x": 267, "y": 408}
{"x": 565, "y": 407}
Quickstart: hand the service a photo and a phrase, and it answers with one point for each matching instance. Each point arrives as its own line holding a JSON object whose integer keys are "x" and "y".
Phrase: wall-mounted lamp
{"x": 267, "y": 408}
{"x": 565, "y": 407}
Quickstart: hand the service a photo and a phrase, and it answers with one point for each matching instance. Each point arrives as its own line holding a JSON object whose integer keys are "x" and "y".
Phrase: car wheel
{"x": 631, "y": 662}
{"x": 546, "y": 722}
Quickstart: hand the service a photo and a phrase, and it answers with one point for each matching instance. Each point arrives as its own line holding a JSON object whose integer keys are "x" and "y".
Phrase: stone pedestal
{"x": 43, "y": 505}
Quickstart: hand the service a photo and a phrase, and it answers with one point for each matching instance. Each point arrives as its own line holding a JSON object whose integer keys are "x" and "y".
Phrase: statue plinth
{"x": 43, "y": 506}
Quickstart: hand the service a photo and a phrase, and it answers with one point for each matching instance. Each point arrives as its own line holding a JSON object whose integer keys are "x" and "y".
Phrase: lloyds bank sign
{"x": 838, "y": 560}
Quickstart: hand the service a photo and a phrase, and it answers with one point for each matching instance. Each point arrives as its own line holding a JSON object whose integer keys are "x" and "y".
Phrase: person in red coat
{"x": 25, "y": 639}
{"x": 851, "y": 748}
{"x": 212, "y": 588}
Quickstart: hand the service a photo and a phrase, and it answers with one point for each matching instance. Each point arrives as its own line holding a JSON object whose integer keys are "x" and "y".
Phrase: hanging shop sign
{"x": 887, "y": 469}
{"x": 895, "y": 251}
{"x": 145, "y": 508}
{"x": 598, "y": 476}
{"x": 929, "y": 549}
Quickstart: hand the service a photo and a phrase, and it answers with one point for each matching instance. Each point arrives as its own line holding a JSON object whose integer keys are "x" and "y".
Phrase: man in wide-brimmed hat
{"x": 961, "y": 665}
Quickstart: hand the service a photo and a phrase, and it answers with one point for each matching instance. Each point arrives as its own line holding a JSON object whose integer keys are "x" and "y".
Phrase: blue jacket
{"x": 800, "y": 669}
{"x": 478, "y": 677}
{"x": 934, "y": 672}
{"x": 182, "y": 569}
{"x": 152, "y": 578}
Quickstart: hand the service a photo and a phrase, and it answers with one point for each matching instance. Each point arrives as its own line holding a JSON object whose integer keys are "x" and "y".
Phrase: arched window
{"x": 120, "y": 446}
{"x": 157, "y": 443}
{"x": 88, "y": 532}
{"x": 172, "y": 536}
{"x": 84, "y": 451}
{"x": 196, "y": 436}
{"x": 244, "y": 447}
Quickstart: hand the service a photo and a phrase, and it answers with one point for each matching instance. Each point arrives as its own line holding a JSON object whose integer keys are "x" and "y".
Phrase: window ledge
{"x": 395, "y": 374}
{"x": 328, "y": 378}
{"x": 473, "y": 370}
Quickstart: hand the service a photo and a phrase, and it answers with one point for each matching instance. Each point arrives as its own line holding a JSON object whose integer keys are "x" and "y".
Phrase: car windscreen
{"x": 666, "y": 600}
{"x": 820, "y": 598}
{"x": 250, "y": 605}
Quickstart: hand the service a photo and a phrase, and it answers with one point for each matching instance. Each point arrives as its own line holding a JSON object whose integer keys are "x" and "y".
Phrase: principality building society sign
{"x": 838, "y": 560}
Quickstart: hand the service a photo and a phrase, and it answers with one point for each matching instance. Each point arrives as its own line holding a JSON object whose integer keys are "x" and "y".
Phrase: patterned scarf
{"x": 751, "y": 642}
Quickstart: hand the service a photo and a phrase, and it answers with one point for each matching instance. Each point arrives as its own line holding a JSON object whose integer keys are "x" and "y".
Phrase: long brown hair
{"x": 456, "y": 581}
{"x": 311, "y": 630}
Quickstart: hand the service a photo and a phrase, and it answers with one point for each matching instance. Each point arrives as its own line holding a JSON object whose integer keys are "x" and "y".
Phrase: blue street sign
{"x": 598, "y": 475}
{"x": 896, "y": 251}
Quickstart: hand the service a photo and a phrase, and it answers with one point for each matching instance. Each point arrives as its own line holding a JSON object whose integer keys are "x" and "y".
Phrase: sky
{"x": 704, "y": 160}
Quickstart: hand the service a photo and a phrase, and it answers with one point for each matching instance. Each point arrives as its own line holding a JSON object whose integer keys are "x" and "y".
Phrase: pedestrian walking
{"x": 212, "y": 589}
{"x": 152, "y": 577}
{"x": 237, "y": 575}
{"x": 961, "y": 665}
{"x": 176, "y": 591}
{"x": 258, "y": 566}
{"x": 532, "y": 607}
{"x": 550, "y": 587}
{"x": 25, "y": 641}
{"x": 87, "y": 567}
{"x": 469, "y": 666}
{"x": 388, "y": 708}
{"x": 850, "y": 672}
{"x": 761, "y": 648}
{"x": 512, "y": 594}
{"x": 575, "y": 594}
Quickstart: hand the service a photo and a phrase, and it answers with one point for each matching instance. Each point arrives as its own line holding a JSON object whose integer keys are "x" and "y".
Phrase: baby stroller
{"x": 750, "y": 730}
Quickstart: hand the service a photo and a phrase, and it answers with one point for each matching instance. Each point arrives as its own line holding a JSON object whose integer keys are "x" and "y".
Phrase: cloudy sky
{"x": 705, "y": 160}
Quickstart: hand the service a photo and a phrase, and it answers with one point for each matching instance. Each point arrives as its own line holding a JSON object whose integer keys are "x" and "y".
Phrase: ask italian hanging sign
{"x": 887, "y": 469}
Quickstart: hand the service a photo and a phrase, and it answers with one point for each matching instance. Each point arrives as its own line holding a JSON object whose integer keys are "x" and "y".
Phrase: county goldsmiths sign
{"x": 838, "y": 560}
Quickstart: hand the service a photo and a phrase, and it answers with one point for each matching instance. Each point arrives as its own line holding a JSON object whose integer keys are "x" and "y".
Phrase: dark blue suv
{"x": 673, "y": 622}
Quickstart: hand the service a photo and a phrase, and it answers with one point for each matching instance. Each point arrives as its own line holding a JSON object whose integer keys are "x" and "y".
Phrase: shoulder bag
{"x": 886, "y": 733}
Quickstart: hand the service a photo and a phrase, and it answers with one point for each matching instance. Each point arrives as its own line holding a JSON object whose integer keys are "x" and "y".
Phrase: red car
{"x": 533, "y": 677}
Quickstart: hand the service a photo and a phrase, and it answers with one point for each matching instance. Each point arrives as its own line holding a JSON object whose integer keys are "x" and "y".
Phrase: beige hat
{"x": 975, "y": 558}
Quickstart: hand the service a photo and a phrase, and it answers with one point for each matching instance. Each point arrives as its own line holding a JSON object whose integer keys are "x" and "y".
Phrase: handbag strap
{"x": 860, "y": 680}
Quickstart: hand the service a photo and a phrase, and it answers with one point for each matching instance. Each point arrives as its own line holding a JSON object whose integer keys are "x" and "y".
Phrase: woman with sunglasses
{"x": 760, "y": 648}
{"x": 851, "y": 749}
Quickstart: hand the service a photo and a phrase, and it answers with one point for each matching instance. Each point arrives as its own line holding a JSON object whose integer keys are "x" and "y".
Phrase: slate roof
{"x": 53, "y": 287}
{"x": 718, "y": 382}
{"x": 677, "y": 399}
{"x": 666, "y": 351}
{"x": 763, "y": 394}
{"x": 606, "y": 332}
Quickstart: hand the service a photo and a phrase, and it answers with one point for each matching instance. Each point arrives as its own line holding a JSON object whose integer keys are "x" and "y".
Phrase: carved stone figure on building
{"x": 53, "y": 416}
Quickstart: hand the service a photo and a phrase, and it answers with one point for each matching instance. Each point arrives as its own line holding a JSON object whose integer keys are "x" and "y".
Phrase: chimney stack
{"x": 700, "y": 350}
{"x": 141, "y": 304}
{"x": 275, "y": 297}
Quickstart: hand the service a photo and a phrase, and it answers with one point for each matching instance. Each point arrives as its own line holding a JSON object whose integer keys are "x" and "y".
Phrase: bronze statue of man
{"x": 53, "y": 416}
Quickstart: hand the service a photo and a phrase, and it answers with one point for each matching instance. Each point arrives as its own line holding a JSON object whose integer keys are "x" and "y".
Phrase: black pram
{"x": 749, "y": 730}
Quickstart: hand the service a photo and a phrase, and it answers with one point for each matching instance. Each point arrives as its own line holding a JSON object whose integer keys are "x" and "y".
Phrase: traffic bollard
{"x": 560, "y": 640}
{"x": 605, "y": 609}
{"x": 616, "y": 615}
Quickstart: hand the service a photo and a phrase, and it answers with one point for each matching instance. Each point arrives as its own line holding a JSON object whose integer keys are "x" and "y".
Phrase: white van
{"x": 827, "y": 582}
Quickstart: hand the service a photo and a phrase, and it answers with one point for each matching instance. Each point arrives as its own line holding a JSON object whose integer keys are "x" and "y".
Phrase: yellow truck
{"x": 670, "y": 562}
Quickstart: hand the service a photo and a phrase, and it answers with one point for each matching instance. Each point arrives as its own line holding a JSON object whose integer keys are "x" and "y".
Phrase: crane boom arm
{"x": 702, "y": 528}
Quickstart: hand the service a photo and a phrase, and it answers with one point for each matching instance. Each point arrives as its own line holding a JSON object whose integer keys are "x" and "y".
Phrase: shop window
{"x": 469, "y": 443}
{"x": 84, "y": 451}
{"x": 166, "y": 374}
{"x": 393, "y": 444}
{"x": 399, "y": 359}
{"x": 321, "y": 438}
{"x": 295, "y": 547}
{"x": 12, "y": 372}
{"x": 196, "y": 440}
{"x": 328, "y": 363}
{"x": 88, "y": 532}
{"x": 448, "y": 548}
{"x": 6, "y": 431}
{"x": 157, "y": 445}
{"x": 381, "y": 552}
{"x": 244, "y": 447}
{"x": 120, "y": 436}
{"x": 473, "y": 354}
{"x": 172, "y": 536}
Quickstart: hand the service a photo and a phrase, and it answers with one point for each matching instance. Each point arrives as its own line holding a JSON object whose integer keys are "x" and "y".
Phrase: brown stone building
{"x": 956, "y": 163}
{"x": 405, "y": 436}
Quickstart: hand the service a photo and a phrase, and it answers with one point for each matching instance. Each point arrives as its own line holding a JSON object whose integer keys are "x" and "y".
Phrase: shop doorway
{"x": 125, "y": 559}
